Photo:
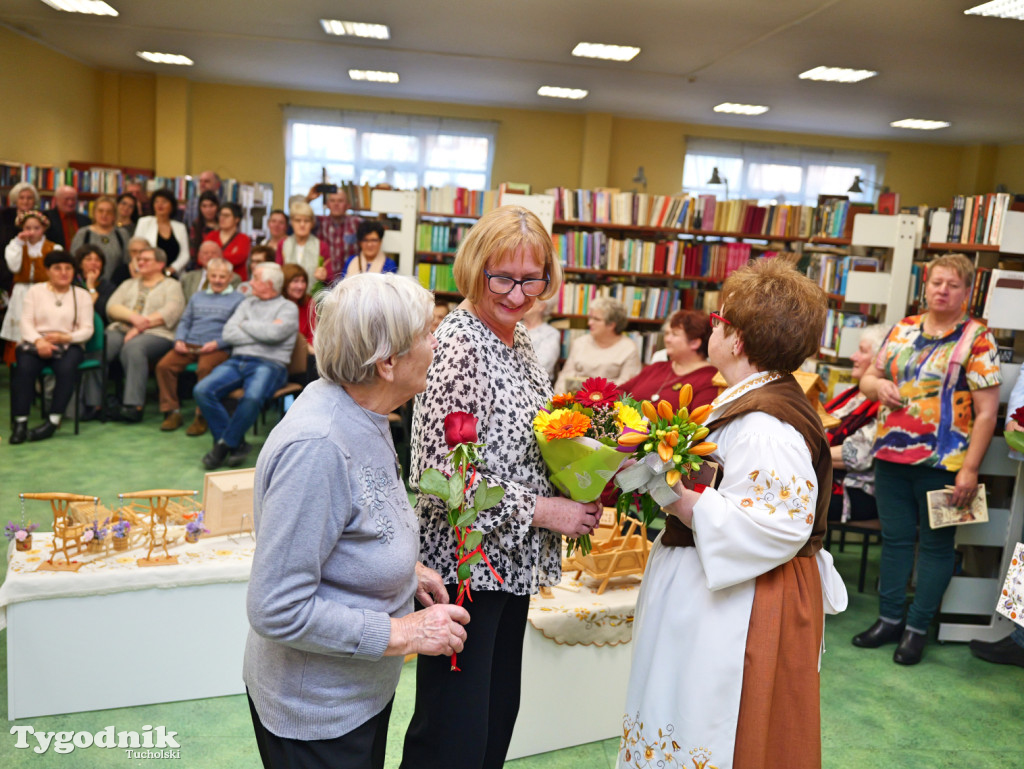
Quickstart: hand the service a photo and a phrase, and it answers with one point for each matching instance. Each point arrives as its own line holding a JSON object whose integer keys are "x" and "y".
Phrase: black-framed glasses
{"x": 502, "y": 284}
{"x": 717, "y": 320}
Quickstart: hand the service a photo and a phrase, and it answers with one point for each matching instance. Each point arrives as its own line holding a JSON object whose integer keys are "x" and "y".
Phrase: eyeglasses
{"x": 717, "y": 320}
{"x": 502, "y": 284}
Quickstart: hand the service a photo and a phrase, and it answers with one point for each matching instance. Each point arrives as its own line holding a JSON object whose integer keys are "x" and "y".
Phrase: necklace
{"x": 387, "y": 440}
{"x": 58, "y": 299}
{"x": 671, "y": 375}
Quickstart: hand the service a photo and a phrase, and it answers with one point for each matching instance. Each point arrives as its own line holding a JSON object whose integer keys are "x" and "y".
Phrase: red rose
{"x": 1018, "y": 416}
{"x": 459, "y": 427}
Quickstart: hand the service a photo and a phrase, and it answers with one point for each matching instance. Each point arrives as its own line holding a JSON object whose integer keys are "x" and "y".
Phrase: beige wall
{"x": 51, "y": 105}
{"x": 80, "y": 113}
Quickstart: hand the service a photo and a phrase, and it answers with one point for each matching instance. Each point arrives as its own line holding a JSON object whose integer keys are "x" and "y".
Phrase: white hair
{"x": 12, "y": 196}
{"x": 270, "y": 271}
{"x": 367, "y": 318}
{"x": 875, "y": 335}
{"x": 219, "y": 263}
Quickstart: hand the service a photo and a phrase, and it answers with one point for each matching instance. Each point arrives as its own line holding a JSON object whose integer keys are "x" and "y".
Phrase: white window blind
{"x": 780, "y": 173}
{"x": 405, "y": 151}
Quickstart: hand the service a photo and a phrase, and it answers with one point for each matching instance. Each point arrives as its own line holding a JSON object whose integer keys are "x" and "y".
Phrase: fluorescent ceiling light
{"x": 356, "y": 29}
{"x": 920, "y": 125}
{"x": 94, "y": 7}
{"x": 1003, "y": 9}
{"x": 741, "y": 109}
{"x": 562, "y": 93}
{"x": 165, "y": 58}
{"x": 837, "y": 74}
{"x": 602, "y": 51}
{"x": 373, "y": 76}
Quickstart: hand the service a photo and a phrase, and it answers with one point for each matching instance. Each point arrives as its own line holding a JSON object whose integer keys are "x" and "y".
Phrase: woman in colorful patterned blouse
{"x": 485, "y": 365}
{"x": 937, "y": 378}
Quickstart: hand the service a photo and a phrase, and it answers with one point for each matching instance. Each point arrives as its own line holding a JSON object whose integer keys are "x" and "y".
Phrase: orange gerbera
{"x": 568, "y": 424}
{"x": 560, "y": 400}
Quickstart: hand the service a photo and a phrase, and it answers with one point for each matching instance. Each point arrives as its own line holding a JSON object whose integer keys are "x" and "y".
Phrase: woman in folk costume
{"x": 24, "y": 257}
{"x": 730, "y": 618}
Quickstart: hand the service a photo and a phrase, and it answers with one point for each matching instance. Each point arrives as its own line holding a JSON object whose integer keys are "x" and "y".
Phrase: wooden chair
{"x": 614, "y": 553}
{"x": 67, "y": 532}
{"x": 155, "y": 508}
{"x": 871, "y": 534}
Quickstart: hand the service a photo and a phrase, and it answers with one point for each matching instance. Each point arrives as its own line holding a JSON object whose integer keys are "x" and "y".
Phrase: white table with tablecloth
{"x": 114, "y": 634}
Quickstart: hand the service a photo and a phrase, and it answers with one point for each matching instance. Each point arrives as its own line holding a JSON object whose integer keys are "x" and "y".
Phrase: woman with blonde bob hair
{"x": 485, "y": 365}
{"x": 739, "y": 566}
{"x": 330, "y": 599}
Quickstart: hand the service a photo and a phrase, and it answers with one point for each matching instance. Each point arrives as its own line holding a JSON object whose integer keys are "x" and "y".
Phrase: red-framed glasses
{"x": 717, "y": 320}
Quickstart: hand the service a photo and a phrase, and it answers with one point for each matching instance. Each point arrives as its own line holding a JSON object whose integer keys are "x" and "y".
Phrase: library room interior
{"x": 732, "y": 295}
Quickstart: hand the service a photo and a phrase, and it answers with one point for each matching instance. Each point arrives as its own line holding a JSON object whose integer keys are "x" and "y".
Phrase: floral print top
{"x": 503, "y": 387}
{"x": 936, "y": 376}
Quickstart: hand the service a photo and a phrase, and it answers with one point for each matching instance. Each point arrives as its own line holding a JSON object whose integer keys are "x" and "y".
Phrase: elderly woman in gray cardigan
{"x": 330, "y": 599}
{"x": 144, "y": 313}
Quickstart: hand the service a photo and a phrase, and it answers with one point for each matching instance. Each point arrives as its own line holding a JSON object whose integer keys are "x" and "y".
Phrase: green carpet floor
{"x": 952, "y": 710}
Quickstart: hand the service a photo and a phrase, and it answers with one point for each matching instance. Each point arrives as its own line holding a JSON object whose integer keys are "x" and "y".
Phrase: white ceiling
{"x": 933, "y": 61}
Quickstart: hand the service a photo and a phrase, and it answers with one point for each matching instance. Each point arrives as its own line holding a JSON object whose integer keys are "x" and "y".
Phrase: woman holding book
{"x": 937, "y": 378}
{"x": 686, "y": 342}
{"x": 603, "y": 352}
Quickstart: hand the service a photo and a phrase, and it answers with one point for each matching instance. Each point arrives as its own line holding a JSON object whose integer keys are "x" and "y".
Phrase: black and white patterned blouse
{"x": 503, "y": 387}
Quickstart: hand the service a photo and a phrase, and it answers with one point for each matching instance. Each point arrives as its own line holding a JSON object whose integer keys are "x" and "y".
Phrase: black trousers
{"x": 464, "y": 720}
{"x": 362, "y": 748}
{"x": 23, "y": 382}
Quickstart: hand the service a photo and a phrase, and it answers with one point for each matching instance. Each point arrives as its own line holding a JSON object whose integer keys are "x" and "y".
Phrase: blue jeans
{"x": 903, "y": 510}
{"x": 259, "y": 378}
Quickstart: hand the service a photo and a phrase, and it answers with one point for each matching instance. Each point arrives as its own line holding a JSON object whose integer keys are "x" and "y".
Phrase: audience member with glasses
{"x": 602, "y": 352}
{"x": 485, "y": 365}
{"x": 370, "y": 235}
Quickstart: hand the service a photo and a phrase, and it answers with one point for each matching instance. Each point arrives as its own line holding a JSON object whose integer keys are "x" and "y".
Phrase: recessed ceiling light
{"x": 837, "y": 74}
{"x": 920, "y": 125}
{"x": 603, "y": 51}
{"x": 373, "y": 76}
{"x": 562, "y": 93}
{"x": 741, "y": 109}
{"x": 356, "y": 29}
{"x": 165, "y": 58}
{"x": 94, "y": 7}
{"x": 1003, "y": 9}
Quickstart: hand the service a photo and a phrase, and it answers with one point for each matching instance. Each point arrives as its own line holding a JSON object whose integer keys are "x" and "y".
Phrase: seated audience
{"x": 24, "y": 257}
{"x": 686, "y": 344}
{"x": 90, "y": 266}
{"x": 207, "y": 222}
{"x": 604, "y": 351}
{"x": 104, "y": 233}
{"x": 235, "y": 244}
{"x": 198, "y": 340}
{"x": 259, "y": 255}
{"x": 196, "y": 280}
{"x": 853, "y": 464}
{"x": 295, "y": 288}
{"x": 65, "y": 220}
{"x": 277, "y": 229}
{"x": 441, "y": 311}
{"x": 337, "y": 232}
{"x": 302, "y": 247}
{"x": 163, "y": 231}
{"x": 262, "y": 333}
{"x": 208, "y": 181}
{"x": 370, "y": 237}
{"x": 22, "y": 197}
{"x": 547, "y": 340}
{"x": 145, "y": 313}
{"x": 56, "y": 320}
{"x": 127, "y": 211}
{"x": 137, "y": 189}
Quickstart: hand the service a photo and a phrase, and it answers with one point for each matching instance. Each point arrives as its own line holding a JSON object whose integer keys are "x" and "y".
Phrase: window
{"x": 405, "y": 151}
{"x": 780, "y": 173}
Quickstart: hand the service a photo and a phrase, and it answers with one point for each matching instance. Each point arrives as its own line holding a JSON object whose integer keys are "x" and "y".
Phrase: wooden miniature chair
{"x": 614, "y": 554}
{"x": 67, "y": 531}
{"x": 151, "y": 513}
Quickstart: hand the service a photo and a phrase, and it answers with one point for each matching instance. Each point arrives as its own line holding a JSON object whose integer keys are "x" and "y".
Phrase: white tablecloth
{"x": 210, "y": 560}
{"x": 575, "y": 614}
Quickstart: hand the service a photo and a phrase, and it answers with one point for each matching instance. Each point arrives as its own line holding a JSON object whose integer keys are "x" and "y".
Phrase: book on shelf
{"x": 441, "y": 237}
{"x": 436, "y": 277}
{"x": 888, "y": 203}
{"x": 835, "y": 322}
{"x": 975, "y": 219}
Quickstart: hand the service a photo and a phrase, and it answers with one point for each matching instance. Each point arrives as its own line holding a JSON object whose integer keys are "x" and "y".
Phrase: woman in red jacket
{"x": 235, "y": 245}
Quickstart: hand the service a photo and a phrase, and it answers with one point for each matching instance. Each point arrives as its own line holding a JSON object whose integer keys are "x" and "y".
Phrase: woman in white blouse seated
{"x": 604, "y": 352}
{"x": 56, "y": 320}
{"x": 737, "y": 584}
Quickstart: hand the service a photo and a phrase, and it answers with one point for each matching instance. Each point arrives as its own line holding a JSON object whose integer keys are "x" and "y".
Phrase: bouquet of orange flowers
{"x": 579, "y": 437}
{"x": 670, "y": 446}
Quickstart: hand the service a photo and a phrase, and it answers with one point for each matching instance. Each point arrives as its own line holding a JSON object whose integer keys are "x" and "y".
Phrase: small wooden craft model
{"x": 150, "y": 514}
{"x": 613, "y": 553}
{"x": 67, "y": 531}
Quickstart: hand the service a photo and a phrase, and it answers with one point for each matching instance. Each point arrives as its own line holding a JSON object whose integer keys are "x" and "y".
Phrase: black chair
{"x": 871, "y": 534}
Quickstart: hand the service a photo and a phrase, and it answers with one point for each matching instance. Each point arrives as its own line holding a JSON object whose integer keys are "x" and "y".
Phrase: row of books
{"x": 833, "y": 218}
{"x": 647, "y": 342}
{"x": 831, "y": 271}
{"x": 653, "y": 303}
{"x": 977, "y": 218}
{"x": 436, "y": 277}
{"x": 835, "y": 322}
{"x": 439, "y": 236}
{"x": 46, "y": 179}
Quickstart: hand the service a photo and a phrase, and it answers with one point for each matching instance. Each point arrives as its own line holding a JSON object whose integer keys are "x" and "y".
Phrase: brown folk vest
{"x": 32, "y": 268}
{"x": 784, "y": 400}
